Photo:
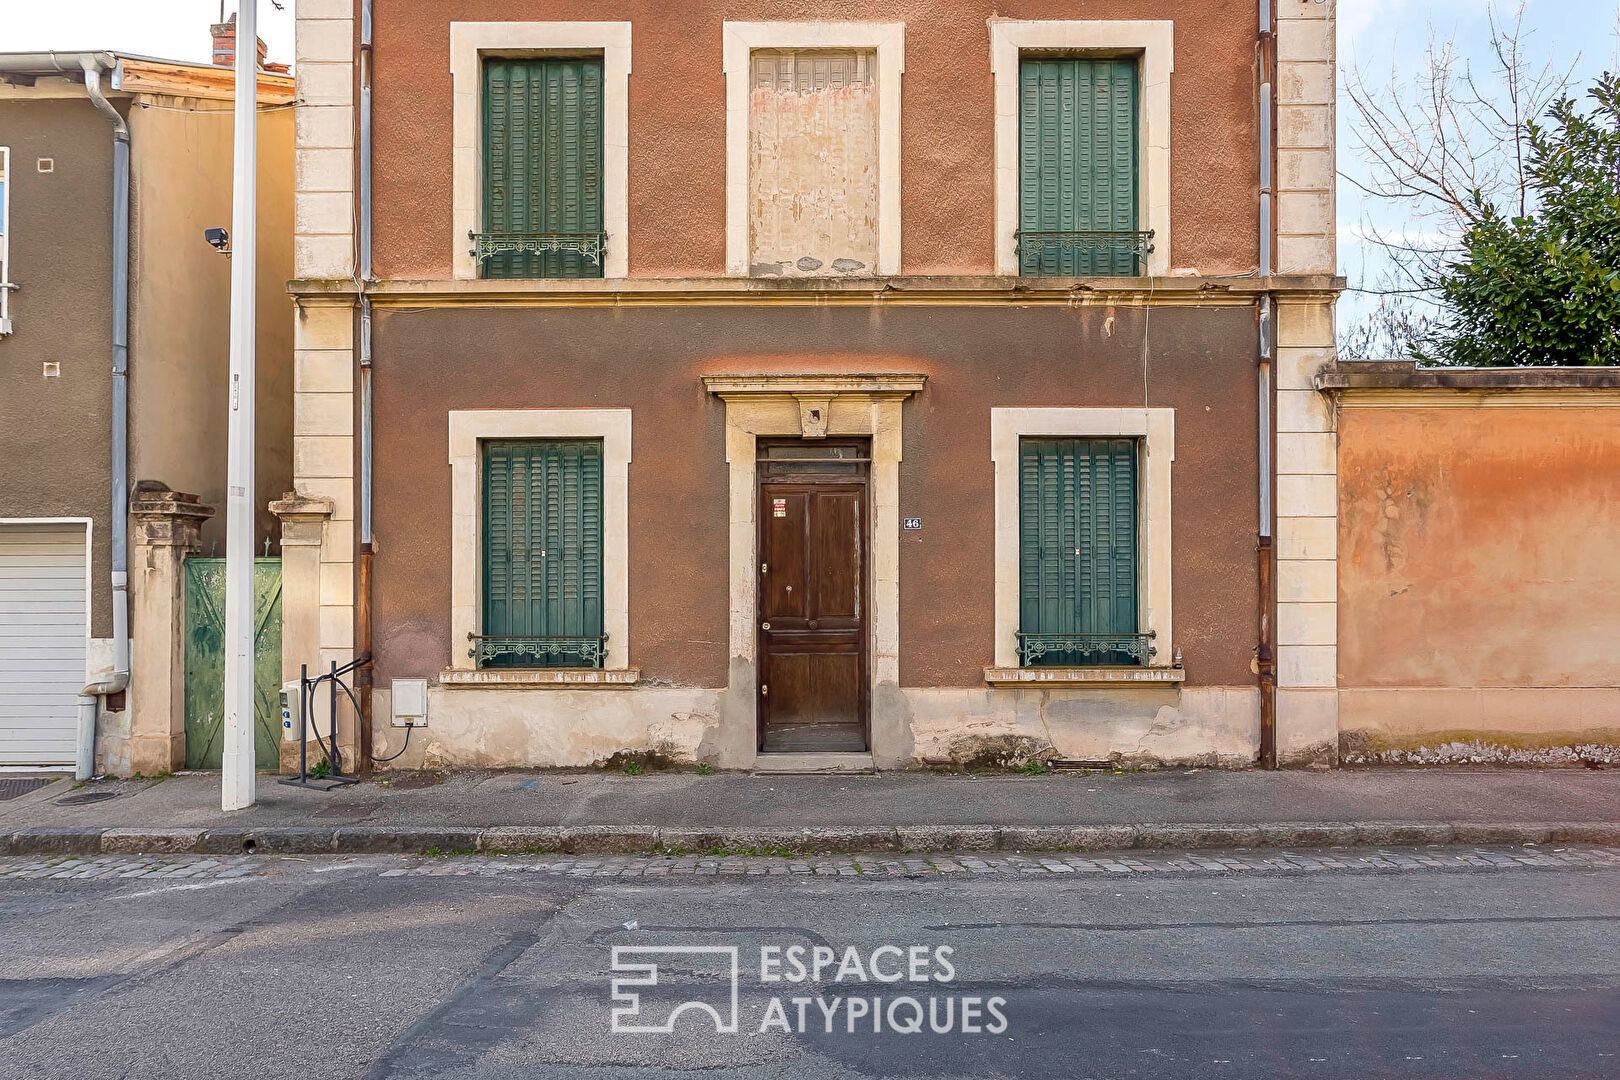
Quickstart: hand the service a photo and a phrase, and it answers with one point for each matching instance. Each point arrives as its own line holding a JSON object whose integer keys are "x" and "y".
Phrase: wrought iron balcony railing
{"x": 590, "y": 245}
{"x": 591, "y": 651}
{"x": 1097, "y": 251}
{"x": 1087, "y": 648}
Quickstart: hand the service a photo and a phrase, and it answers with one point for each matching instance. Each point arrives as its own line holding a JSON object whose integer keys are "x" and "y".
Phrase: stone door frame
{"x": 811, "y": 407}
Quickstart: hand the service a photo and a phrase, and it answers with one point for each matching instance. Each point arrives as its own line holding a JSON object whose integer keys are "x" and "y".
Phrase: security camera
{"x": 220, "y": 239}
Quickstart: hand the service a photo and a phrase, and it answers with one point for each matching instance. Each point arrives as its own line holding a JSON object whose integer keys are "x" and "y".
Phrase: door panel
{"x": 784, "y": 600}
{"x": 836, "y": 540}
{"x": 815, "y": 687}
{"x": 812, "y": 616}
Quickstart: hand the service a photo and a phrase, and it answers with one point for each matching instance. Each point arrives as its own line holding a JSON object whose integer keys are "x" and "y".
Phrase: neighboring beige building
{"x": 64, "y": 613}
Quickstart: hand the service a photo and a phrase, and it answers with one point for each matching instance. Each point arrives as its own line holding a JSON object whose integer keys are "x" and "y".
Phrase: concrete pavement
{"x": 603, "y": 812}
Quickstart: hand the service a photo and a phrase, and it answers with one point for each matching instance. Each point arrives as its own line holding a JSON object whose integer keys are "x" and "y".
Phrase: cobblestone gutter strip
{"x": 646, "y": 840}
{"x": 156, "y": 871}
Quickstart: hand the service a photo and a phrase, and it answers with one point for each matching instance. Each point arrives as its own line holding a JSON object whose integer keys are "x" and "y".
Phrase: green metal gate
{"x": 205, "y": 662}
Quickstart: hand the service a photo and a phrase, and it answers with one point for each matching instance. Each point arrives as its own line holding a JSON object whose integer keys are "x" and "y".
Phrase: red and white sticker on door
{"x": 779, "y": 508}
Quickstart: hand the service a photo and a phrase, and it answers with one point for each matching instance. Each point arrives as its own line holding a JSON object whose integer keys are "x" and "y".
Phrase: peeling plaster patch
{"x": 1322, "y": 753}
{"x": 556, "y": 727}
{"x": 998, "y": 752}
{"x": 1215, "y": 726}
{"x": 679, "y": 737}
{"x": 1360, "y": 748}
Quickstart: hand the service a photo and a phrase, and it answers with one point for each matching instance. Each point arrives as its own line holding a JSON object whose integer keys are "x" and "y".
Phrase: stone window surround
{"x": 470, "y": 427}
{"x": 1157, "y": 430}
{"x": 740, "y": 39}
{"x": 1154, "y": 41}
{"x": 469, "y": 42}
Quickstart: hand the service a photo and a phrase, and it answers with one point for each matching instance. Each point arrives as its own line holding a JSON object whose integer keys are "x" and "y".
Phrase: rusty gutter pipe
{"x": 1268, "y": 340}
{"x": 363, "y": 615}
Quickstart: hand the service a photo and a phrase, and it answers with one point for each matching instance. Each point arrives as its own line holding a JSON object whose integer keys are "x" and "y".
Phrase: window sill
{"x": 1084, "y": 676}
{"x": 538, "y": 678}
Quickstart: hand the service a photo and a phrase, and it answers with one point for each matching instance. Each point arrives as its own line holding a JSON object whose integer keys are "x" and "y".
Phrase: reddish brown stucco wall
{"x": 430, "y": 361}
{"x": 678, "y": 127}
{"x": 1477, "y": 547}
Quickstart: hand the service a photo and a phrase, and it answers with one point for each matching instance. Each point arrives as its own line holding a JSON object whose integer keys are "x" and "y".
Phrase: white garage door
{"x": 42, "y": 642}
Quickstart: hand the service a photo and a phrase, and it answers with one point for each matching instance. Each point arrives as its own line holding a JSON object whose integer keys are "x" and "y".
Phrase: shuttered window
{"x": 543, "y": 167}
{"x": 1077, "y": 550}
{"x": 1078, "y": 149}
{"x": 542, "y": 554}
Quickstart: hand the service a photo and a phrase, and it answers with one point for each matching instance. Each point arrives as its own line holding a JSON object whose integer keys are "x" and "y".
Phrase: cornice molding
{"x": 919, "y": 290}
{"x": 823, "y": 387}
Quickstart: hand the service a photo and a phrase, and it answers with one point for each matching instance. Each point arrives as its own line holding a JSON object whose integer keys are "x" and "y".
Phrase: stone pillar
{"x": 304, "y": 521}
{"x": 1307, "y": 480}
{"x": 324, "y": 361}
{"x": 165, "y": 526}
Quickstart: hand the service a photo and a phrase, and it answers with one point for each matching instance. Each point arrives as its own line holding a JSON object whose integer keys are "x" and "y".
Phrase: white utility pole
{"x": 238, "y": 764}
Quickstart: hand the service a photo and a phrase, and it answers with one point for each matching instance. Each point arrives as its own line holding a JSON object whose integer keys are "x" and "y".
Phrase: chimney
{"x": 225, "y": 44}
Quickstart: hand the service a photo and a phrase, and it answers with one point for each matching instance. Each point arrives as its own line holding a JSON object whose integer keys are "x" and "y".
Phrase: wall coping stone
{"x": 1353, "y": 375}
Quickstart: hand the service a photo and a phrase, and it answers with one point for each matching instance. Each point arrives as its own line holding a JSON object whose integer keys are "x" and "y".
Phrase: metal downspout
{"x": 85, "y": 762}
{"x": 1268, "y": 339}
{"x": 363, "y": 616}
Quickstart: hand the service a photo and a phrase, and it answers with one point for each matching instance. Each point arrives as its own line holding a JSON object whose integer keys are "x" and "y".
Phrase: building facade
{"x": 845, "y": 390}
{"x": 113, "y": 328}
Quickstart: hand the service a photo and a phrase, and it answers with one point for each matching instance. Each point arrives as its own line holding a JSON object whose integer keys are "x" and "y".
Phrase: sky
{"x": 169, "y": 29}
{"x": 1376, "y": 34}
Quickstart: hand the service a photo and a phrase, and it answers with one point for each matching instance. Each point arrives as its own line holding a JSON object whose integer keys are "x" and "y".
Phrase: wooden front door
{"x": 812, "y": 598}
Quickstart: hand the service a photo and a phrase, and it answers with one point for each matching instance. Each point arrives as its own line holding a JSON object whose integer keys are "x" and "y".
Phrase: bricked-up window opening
{"x": 1078, "y": 532}
{"x": 543, "y": 169}
{"x": 1078, "y": 167}
{"x": 813, "y": 162}
{"x": 542, "y": 554}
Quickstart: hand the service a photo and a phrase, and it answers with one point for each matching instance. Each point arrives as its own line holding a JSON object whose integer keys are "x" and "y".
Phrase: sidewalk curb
{"x": 648, "y": 840}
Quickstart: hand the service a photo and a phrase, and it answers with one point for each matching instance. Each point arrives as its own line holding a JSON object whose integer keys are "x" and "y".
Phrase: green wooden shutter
{"x": 542, "y": 547}
{"x": 542, "y": 160}
{"x": 1077, "y": 165}
{"x": 1077, "y": 542}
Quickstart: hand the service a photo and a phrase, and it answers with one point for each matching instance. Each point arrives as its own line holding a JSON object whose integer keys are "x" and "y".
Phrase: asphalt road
{"x": 333, "y": 967}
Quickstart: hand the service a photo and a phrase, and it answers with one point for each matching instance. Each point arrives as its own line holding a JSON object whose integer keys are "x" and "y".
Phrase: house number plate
{"x": 911, "y": 524}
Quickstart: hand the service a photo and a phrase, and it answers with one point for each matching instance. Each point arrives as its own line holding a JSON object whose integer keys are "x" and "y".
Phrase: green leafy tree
{"x": 1543, "y": 286}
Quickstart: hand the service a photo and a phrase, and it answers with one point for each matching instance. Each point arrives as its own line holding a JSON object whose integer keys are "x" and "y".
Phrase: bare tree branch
{"x": 1448, "y": 144}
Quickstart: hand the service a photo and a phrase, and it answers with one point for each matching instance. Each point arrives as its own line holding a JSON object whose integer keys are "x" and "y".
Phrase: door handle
{"x": 764, "y": 626}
